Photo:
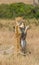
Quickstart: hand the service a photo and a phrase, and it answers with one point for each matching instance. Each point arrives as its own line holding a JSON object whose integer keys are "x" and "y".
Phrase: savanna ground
{"x": 8, "y": 40}
{"x": 13, "y": 1}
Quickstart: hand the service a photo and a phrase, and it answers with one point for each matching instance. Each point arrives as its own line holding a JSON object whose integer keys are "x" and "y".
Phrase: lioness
{"x": 21, "y": 32}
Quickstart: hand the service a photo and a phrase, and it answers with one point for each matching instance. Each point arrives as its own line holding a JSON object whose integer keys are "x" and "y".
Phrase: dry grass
{"x": 14, "y": 1}
{"x": 7, "y": 38}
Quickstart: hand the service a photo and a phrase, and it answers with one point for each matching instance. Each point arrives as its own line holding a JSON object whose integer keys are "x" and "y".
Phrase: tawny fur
{"x": 17, "y": 34}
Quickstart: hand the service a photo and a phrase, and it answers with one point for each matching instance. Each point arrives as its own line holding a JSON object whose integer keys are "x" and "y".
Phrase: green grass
{"x": 11, "y": 11}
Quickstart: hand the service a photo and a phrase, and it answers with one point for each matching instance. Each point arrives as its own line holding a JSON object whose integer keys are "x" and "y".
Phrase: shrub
{"x": 18, "y": 9}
